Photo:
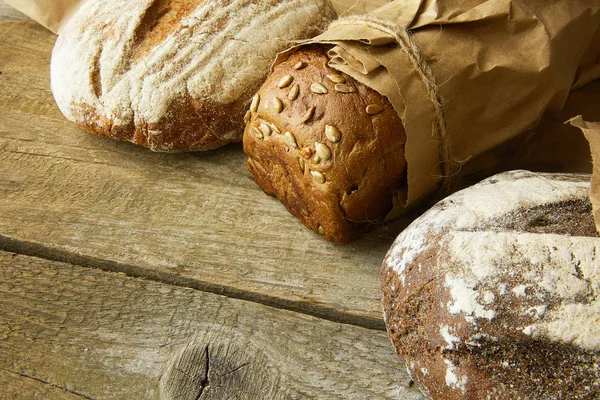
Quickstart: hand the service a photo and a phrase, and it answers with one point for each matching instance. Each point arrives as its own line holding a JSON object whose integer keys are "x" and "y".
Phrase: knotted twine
{"x": 407, "y": 44}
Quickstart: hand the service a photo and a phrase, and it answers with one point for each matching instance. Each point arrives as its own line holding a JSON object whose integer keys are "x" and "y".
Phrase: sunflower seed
{"x": 343, "y": 88}
{"x": 255, "y": 101}
{"x": 257, "y": 133}
{"x": 306, "y": 152}
{"x": 285, "y": 81}
{"x": 318, "y": 88}
{"x": 294, "y": 92}
{"x": 277, "y": 104}
{"x": 336, "y": 78}
{"x": 299, "y": 65}
{"x": 373, "y": 109}
{"x": 332, "y": 133}
{"x": 323, "y": 151}
{"x": 291, "y": 139}
{"x": 302, "y": 163}
{"x": 321, "y": 230}
{"x": 317, "y": 177}
{"x": 247, "y": 117}
{"x": 274, "y": 127}
{"x": 316, "y": 159}
{"x": 309, "y": 114}
{"x": 265, "y": 129}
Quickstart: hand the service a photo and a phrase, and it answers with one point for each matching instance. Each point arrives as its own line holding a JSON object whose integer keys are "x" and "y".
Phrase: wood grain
{"x": 8, "y": 13}
{"x": 193, "y": 219}
{"x": 72, "y": 332}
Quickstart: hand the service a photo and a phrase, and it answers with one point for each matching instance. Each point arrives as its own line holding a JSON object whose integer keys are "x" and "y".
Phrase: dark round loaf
{"x": 330, "y": 148}
{"x": 494, "y": 293}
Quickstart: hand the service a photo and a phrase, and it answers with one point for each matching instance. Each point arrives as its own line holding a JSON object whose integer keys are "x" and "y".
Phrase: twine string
{"x": 408, "y": 45}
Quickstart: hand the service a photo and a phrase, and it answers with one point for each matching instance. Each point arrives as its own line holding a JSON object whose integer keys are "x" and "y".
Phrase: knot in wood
{"x": 221, "y": 369}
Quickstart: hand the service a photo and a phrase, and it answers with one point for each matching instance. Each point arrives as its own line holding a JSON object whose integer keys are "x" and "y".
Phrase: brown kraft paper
{"x": 591, "y": 130}
{"x": 466, "y": 77}
{"x": 52, "y": 14}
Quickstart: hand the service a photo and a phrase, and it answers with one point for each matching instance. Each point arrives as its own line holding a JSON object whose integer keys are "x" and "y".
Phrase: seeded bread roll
{"x": 330, "y": 148}
{"x": 494, "y": 293}
{"x": 173, "y": 75}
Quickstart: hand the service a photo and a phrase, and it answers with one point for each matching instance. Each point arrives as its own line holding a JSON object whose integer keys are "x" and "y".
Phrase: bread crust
{"x": 173, "y": 75}
{"x": 493, "y": 293}
{"x": 337, "y": 186}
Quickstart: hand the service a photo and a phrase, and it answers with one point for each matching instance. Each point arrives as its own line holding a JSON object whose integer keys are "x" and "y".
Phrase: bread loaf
{"x": 330, "y": 148}
{"x": 494, "y": 293}
{"x": 173, "y": 75}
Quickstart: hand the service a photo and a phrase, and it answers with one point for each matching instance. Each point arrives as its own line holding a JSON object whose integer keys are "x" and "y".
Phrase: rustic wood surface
{"x": 78, "y": 332}
{"x": 131, "y": 274}
{"x": 192, "y": 219}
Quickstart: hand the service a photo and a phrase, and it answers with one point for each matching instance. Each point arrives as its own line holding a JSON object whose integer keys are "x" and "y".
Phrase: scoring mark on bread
{"x": 160, "y": 19}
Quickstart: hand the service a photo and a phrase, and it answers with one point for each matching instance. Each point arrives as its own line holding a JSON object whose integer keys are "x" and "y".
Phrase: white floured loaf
{"x": 173, "y": 75}
{"x": 494, "y": 293}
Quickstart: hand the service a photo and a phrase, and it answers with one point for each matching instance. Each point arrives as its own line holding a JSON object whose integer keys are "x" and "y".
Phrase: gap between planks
{"x": 316, "y": 310}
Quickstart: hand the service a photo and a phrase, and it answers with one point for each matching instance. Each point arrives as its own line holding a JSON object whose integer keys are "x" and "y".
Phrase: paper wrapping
{"x": 52, "y": 14}
{"x": 591, "y": 130}
{"x": 466, "y": 77}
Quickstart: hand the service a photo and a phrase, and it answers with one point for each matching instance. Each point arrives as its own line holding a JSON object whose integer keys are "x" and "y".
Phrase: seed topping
{"x": 321, "y": 230}
{"x": 373, "y": 109}
{"x": 277, "y": 104}
{"x": 317, "y": 177}
{"x": 291, "y": 139}
{"x": 294, "y": 92}
{"x": 255, "y": 101}
{"x": 265, "y": 129}
{"x": 285, "y": 81}
{"x": 302, "y": 163}
{"x": 306, "y": 153}
{"x": 336, "y": 78}
{"x": 257, "y": 133}
{"x": 318, "y": 88}
{"x": 332, "y": 133}
{"x": 274, "y": 127}
{"x": 344, "y": 88}
{"x": 322, "y": 151}
{"x": 299, "y": 65}
{"x": 309, "y": 114}
{"x": 247, "y": 116}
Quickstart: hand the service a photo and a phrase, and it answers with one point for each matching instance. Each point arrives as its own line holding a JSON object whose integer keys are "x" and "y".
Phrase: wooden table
{"x": 131, "y": 274}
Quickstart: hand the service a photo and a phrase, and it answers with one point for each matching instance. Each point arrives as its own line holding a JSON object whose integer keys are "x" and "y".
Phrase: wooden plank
{"x": 8, "y": 13}
{"x": 19, "y": 386}
{"x": 194, "y": 219}
{"x": 99, "y": 334}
